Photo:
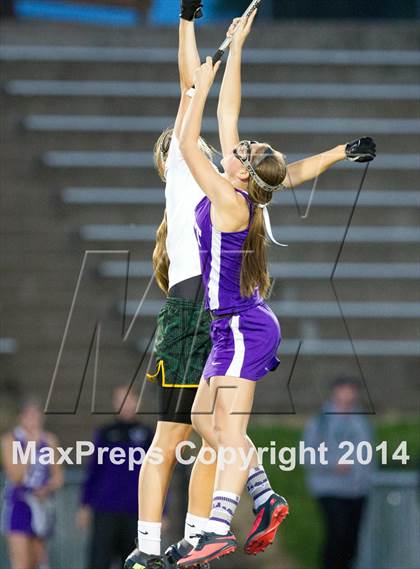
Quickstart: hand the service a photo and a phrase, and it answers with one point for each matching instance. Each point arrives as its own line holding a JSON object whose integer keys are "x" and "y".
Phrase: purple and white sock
{"x": 222, "y": 512}
{"x": 258, "y": 486}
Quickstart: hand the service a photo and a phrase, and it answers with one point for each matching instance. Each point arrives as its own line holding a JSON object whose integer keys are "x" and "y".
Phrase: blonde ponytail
{"x": 160, "y": 257}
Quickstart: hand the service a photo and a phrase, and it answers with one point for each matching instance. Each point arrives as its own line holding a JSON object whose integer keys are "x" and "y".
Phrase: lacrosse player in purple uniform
{"x": 27, "y": 517}
{"x": 232, "y": 222}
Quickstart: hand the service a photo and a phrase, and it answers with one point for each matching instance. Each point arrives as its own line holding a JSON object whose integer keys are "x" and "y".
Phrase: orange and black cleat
{"x": 211, "y": 546}
{"x": 269, "y": 516}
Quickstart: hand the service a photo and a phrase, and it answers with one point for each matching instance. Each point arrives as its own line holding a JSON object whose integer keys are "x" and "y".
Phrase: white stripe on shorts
{"x": 237, "y": 362}
{"x": 216, "y": 247}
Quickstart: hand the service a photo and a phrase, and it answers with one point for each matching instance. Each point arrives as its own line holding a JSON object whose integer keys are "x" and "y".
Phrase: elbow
{"x": 184, "y": 145}
{"x": 185, "y": 149}
{"x": 189, "y": 153}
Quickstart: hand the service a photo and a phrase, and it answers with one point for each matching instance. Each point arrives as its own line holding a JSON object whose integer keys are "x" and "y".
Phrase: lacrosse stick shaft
{"x": 220, "y": 52}
{"x": 223, "y": 47}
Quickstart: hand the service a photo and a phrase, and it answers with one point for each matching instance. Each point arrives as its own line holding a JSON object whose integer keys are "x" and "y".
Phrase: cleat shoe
{"x": 139, "y": 560}
{"x": 179, "y": 550}
{"x": 269, "y": 516}
{"x": 210, "y": 546}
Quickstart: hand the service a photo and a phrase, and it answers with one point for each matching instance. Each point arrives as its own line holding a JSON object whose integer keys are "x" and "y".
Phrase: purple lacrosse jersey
{"x": 245, "y": 342}
{"x": 22, "y": 511}
{"x": 221, "y": 262}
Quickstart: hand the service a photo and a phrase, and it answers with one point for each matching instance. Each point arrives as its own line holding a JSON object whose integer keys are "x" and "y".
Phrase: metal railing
{"x": 391, "y": 527}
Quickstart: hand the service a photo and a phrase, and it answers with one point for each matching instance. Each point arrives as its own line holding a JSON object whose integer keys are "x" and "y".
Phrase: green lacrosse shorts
{"x": 182, "y": 347}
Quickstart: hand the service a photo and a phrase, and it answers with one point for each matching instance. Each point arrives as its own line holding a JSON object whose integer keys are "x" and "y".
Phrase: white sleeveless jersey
{"x": 182, "y": 195}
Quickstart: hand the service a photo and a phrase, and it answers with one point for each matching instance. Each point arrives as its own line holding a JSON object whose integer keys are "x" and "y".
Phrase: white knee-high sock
{"x": 194, "y": 526}
{"x": 222, "y": 512}
{"x": 148, "y": 534}
{"x": 258, "y": 486}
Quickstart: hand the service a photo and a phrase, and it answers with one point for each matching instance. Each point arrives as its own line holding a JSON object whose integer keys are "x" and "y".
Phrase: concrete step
{"x": 259, "y": 99}
{"x": 372, "y": 282}
{"x": 93, "y": 196}
{"x": 275, "y": 399}
{"x": 155, "y": 71}
{"x": 314, "y": 35}
{"x": 283, "y": 209}
{"x": 323, "y": 248}
{"x": 143, "y": 160}
{"x": 264, "y": 126}
{"x": 167, "y": 90}
{"x": 158, "y": 106}
{"x": 129, "y": 169}
{"x": 58, "y": 177}
{"x": 342, "y": 348}
{"x": 292, "y": 271}
{"x": 335, "y": 329}
{"x": 8, "y": 346}
{"x": 313, "y": 327}
{"x": 303, "y": 309}
{"x": 316, "y": 324}
{"x": 295, "y": 145}
{"x": 252, "y": 55}
{"x": 295, "y": 234}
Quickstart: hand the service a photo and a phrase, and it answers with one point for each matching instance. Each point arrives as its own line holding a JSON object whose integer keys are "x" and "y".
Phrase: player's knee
{"x": 228, "y": 435}
{"x": 201, "y": 424}
{"x": 169, "y": 435}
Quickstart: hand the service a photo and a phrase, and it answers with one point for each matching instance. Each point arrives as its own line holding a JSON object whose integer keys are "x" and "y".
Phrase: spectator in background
{"x": 109, "y": 494}
{"x": 28, "y": 504}
{"x": 340, "y": 489}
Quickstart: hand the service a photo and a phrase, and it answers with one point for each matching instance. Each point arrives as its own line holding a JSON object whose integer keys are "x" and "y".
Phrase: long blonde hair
{"x": 254, "y": 272}
{"x": 160, "y": 254}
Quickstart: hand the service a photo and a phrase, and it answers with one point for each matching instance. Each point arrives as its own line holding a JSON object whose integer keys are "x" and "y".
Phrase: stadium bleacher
{"x": 82, "y": 110}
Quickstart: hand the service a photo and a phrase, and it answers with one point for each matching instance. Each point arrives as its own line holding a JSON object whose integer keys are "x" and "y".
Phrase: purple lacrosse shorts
{"x": 244, "y": 344}
{"x": 17, "y": 517}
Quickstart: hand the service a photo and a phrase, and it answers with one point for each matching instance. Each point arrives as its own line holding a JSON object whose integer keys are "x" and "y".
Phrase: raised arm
{"x": 218, "y": 189}
{"x": 309, "y": 168}
{"x": 230, "y": 97}
{"x": 188, "y": 56}
{"x": 360, "y": 150}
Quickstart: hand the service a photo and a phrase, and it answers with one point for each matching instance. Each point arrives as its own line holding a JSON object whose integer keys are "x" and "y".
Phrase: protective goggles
{"x": 243, "y": 152}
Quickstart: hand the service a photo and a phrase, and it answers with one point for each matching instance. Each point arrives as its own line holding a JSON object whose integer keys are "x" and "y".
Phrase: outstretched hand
{"x": 361, "y": 150}
{"x": 204, "y": 76}
{"x": 191, "y": 10}
{"x": 240, "y": 29}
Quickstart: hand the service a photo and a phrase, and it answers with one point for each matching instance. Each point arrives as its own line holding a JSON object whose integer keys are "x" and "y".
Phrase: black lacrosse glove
{"x": 361, "y": 150}
{"x": 191, "y": 9}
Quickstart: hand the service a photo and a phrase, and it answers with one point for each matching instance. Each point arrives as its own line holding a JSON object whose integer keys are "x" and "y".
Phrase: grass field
{"x": 301, "y": 535}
